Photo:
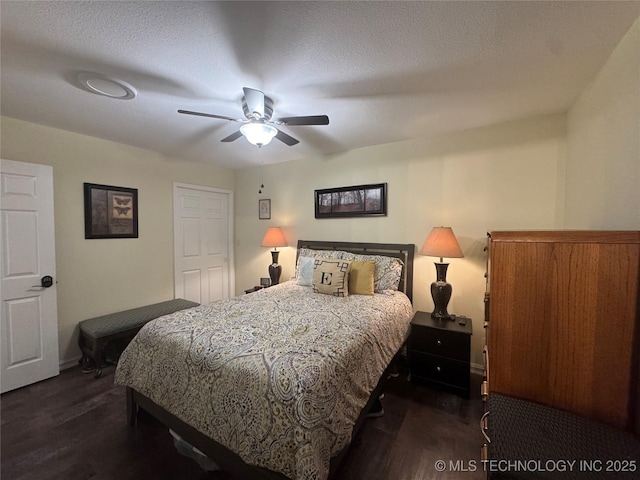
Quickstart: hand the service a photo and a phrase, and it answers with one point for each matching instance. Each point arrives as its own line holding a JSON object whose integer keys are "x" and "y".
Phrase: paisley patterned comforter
{"x": 278, "y": 376}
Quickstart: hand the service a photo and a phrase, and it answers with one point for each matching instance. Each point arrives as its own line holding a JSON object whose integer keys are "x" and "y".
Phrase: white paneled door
{"x": 29, "y": 326}
{"x": 202, "y": 245}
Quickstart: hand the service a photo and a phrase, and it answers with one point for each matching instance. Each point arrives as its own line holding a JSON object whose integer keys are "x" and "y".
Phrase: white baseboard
{"x": 66, "y": 364}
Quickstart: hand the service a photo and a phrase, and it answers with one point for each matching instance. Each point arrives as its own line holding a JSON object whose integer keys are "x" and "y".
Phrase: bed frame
{"x": 229, "y": 461}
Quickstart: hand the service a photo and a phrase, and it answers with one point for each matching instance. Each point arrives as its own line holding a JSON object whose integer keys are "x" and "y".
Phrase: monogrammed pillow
{"x": 308, "y": 252}
{"x": 331, "y": 277}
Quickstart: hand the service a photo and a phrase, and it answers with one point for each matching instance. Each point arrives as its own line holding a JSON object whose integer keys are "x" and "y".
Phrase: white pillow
{"x": 305, "y": 271}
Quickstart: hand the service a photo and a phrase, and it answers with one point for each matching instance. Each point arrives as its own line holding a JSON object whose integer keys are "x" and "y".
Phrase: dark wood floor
{"x": 73, "y": 427}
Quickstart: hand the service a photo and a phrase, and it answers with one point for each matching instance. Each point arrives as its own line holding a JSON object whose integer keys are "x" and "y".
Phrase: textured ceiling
{"x": 382, "y": 71}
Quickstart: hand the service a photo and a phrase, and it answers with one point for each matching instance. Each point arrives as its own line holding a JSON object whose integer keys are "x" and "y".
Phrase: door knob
{"x": 45, "y": 282}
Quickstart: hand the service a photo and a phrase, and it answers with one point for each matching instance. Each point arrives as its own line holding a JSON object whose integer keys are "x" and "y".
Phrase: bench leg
{"x": 85, "y": 359}
{"x": 86, "y": 365}
{"x": 98, "y": 347}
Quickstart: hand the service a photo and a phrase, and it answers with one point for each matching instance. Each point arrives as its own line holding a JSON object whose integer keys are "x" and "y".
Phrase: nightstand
{"x": 254, "y": 289}
{"x": 440, "y": 352}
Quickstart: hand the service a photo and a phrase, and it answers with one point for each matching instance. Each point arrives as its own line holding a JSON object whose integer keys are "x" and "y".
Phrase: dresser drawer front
{"x": 438, "y": 369}
{"x": 440, "y": 342}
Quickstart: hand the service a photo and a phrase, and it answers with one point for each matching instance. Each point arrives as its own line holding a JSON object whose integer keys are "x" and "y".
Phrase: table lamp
{"x": 274, "y": 238}
{"x": 441, "y": 242}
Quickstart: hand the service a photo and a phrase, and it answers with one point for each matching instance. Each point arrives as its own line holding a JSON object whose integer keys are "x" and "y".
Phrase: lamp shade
{"x": 274, "y": 238}
{"x": 258, "y": 133}
{"x": 442, "y": 242}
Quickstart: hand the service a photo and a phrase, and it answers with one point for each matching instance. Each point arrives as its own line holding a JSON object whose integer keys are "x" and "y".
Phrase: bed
{"x": 276, "y": 384}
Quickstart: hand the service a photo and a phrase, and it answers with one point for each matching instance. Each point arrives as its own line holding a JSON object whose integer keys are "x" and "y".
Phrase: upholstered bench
{"x": 531, "y": 441}
{"x": 95, "y": 333}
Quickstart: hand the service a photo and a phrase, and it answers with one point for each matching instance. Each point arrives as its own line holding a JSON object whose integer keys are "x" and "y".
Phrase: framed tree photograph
{"x": 110, "y": 212}
{"x": 264, "y": 209}
{"x": 355, "y": 201}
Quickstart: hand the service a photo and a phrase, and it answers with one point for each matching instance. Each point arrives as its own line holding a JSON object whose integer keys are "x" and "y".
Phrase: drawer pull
{"x": 483, "y": 426}
{"x": 438, "y": 369}
{"x": 439, "y": 342}
{"x": 484, "y": 452}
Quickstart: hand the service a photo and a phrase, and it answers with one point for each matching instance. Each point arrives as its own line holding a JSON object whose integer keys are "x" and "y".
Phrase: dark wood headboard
{"x": 403, "y": 251}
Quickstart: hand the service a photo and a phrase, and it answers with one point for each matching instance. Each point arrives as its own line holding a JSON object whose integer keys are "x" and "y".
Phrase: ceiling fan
{"x": 258, "y": 127}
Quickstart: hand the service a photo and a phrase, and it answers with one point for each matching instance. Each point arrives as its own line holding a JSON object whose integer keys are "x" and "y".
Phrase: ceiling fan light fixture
{"x": 258, "y": 134}
{"x": 258, "y": 128}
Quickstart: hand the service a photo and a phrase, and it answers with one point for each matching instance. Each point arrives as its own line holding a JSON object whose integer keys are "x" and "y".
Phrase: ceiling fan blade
{"x": 286, "y": 139}
{"x": 254, "y": 100}
{"x": 234, "y": 136}
{"x": 211, "y": 115}
{"x": 309, "y": 120}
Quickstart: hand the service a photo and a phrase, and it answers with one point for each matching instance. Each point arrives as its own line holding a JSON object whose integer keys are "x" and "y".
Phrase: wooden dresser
{"x": 562, "y": 321}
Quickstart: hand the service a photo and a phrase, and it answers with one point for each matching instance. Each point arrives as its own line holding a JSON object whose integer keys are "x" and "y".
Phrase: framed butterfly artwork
{"x": 110, "y": 212}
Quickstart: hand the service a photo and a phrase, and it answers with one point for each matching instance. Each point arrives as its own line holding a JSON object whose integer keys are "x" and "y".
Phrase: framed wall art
{"x": 264, "y": 209}
{"x": 110, "y": 212}
{"x": 355, "y": 201}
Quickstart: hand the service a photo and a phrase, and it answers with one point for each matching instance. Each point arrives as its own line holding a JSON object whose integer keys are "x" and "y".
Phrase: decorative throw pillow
{"x": 308, "y": 252}
{"x": 305, "y": 271}
{"x": 361, "y": 277}
{"x": 388, "y": 270}
{"x": 331, "y": 277}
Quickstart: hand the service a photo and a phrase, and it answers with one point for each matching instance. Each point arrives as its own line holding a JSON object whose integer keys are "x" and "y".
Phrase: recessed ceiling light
{"x": 107, "y": 86}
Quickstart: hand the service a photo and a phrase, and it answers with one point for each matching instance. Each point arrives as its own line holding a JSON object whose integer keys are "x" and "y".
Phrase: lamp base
{"x": 275, "y": 270}
{"x": 441, "y": 293}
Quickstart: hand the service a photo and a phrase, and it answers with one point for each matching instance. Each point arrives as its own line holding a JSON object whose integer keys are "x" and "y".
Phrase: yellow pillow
{"x": 331, "y": 277}
{"x": 361, "y": 277}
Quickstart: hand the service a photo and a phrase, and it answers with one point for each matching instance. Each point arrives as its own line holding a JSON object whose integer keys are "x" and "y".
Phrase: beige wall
{"x": 502, "y": 177}
{"x": 96, "y": 277}
{"x": 603, "y": 144}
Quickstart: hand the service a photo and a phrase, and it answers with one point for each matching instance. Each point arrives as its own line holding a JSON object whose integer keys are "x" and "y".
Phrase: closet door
{"x": 203, "y": 243}
{"x": 563, "y": 316}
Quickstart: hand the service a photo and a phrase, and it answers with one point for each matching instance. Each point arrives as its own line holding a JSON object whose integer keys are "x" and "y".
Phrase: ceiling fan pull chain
{"x": 261, "y": 172}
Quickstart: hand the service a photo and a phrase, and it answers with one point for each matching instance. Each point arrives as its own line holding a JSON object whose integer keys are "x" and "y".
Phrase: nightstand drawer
{"x": 441, "y": 342}
{"x": 438, "y": 369}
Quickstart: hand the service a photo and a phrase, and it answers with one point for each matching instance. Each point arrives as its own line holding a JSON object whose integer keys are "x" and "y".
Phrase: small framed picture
{"x": 264, "y": 209}
{"x": 265, "y": 282}
{"x": 110, "y": 212}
